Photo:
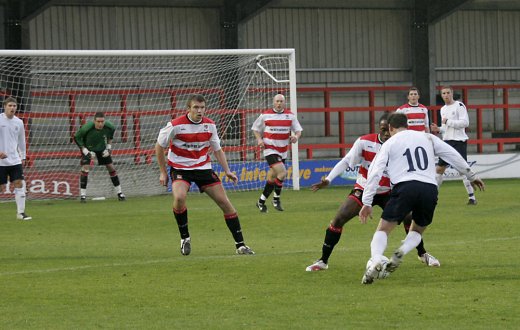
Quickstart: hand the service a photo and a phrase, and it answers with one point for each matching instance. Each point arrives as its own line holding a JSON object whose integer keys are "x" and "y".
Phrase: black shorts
{"x": 14, "y": 172}
{"x": 379, "y": 199}
{"x": 202, "y": 178}
{"x": 460, "y": 146}
{"x": 274, "y": 159}
{"x": 411, "y": 196}
{"x": 85, "y": 160}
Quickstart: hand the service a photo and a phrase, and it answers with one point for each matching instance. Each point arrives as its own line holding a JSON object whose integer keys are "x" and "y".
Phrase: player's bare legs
{"x": 348, "y": 210}
{"x": 275, "y": 177}
{"x": 115, "y": 181}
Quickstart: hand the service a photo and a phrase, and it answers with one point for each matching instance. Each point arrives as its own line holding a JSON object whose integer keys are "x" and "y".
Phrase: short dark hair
{"x": 99, "y": 114}
{"x": 9, "y": 99}
{"x": 384, "y": 117}
{"x": 195, "y": 97}
{"x": 398, "y": 120}
{"x": 413, "y": 88}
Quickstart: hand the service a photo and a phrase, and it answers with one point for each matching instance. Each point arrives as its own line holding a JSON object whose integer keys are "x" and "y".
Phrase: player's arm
{"x": 257, "y": 128}
{"x": 108, "y": 149}
{"x": 352, "y": 157}
{"x": 259, "y": 139}
{"x": 297, "y": 129}
{"x": 161, "y": 161}
{"x": 21, "y": 143}
{"x": 375, "y": 172}
{"x": 295, "y": 137}
{"x": 462, "y": 114}
{"x": 426, "y": 122}
{"x": 448, "y": 153}
{"x": 79, "y": 138}
{"x": 163, "y": 141}
{"x": 220, "y": 155}
{"x": 221, "y": 158}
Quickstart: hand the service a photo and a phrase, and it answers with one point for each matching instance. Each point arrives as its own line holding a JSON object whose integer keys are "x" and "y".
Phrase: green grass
{"x": 107, "y": 264}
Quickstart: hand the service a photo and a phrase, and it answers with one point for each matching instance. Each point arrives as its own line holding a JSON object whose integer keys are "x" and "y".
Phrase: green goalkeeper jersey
{"x": 92, "y": 139}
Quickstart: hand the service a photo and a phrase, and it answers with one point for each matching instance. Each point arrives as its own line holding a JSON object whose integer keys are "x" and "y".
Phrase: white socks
{"x": 469, "y": 187}
{"x": 378, "y": 245}
{"x": 118, "y": 189}
{"x": 411, "y": 241}
{"x": 83, "y": 192}
{"x": 19, "y": 196}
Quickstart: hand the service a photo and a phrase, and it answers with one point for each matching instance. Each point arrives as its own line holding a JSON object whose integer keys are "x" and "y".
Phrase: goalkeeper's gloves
{"x": 106, "y": 152}
{"x": 87, "y": 152}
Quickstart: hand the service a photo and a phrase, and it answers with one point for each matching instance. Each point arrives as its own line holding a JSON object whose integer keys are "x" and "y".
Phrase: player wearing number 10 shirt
{"x": 408, "y": 158}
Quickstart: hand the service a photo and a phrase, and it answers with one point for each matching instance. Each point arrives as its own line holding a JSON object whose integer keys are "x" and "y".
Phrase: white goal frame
{"x": 289, "y": 52}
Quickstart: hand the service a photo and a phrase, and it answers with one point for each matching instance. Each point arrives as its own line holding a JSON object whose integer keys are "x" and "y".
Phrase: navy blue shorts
{"x": 460, "y": 146}
{"x": 202, "y": 178}
{"x": 14, "y": 173}
{"x": 412, "y": 196}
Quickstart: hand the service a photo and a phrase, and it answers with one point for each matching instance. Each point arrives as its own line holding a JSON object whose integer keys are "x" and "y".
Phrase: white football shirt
{"x": 410, "y": 156}
{"x": 12, "y": 140}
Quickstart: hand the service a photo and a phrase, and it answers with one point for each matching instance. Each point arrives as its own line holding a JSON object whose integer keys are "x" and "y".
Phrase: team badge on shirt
{"x": 179, "y": 177}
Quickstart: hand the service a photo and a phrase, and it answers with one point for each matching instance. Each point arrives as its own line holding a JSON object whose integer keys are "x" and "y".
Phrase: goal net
{"x": 140, "y": 92}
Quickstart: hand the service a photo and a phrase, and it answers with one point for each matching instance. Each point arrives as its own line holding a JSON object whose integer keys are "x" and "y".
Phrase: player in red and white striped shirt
{"x": 189, "y": 140}
{"x": 416, "y": 113}
{"x": 272, "y": 130}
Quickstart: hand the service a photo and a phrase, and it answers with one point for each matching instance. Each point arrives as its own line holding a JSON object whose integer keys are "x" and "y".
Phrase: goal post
{"x": 140, "y": 91}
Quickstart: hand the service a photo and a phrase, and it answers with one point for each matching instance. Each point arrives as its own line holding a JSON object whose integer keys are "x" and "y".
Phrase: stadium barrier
{"x": 78, "y": 118}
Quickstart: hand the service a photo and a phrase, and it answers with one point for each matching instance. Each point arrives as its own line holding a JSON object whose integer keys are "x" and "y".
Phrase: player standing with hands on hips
{"x": 408, "y": 158}
{"x": 12, "y": 154}
{"x": 189, "y": 139}
{"x": 94, "y": 140}
{"x": 272, "y": 130}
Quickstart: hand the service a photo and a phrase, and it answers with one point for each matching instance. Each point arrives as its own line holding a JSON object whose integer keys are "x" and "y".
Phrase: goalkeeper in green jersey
{"x": 94, "y": 139}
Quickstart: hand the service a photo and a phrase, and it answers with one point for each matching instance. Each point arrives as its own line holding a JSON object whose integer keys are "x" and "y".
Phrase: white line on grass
{"x": 168, "y": 260}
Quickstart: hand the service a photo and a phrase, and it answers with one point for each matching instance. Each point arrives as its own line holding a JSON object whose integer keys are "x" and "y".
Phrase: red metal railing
{"x": 327, "y": 109}
{"x": 124, "y": 114}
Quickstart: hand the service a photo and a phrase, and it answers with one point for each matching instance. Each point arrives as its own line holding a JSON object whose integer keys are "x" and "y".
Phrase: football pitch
{"x": 110, "y": 264}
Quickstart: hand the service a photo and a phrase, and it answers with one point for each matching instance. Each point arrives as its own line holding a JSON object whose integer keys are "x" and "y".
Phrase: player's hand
{"x": 320, "y": 185}
{"x": 434, "y": 128}
{"x": 3, "y": 155}
{"x": 87, "y": 152}
{"x": 479, "y": 184}
{"x": 260, "y": 143}
{"x": 232, "y": 176}
{"x": 106, "y": 153}
{"x": 163, "y": 178}
{"x": 364, "y": 213}
{"x": 293, "y": 139}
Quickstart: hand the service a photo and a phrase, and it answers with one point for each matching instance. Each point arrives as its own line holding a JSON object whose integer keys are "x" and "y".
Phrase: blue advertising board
{"x": 311, "y": 171}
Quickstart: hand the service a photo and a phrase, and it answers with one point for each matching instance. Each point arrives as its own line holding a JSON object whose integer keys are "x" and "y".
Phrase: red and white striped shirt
{"x": 363, "y": 152}
{"x": 417, "y": 116}
{"x": 189, "y": 143}
{"x": 276, "y": 128}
